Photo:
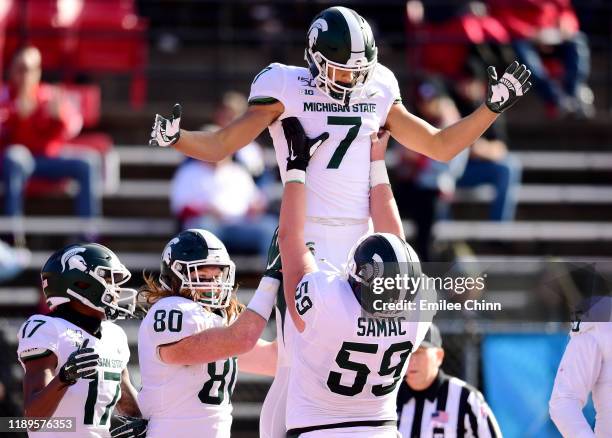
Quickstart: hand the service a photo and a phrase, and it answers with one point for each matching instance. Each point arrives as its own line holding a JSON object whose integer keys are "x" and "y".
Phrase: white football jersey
{"x": 89, "y": 401}
{"x": 345, "y": 367}
{"x": 339, "y": 173}
{"x": 586, "y": 367}
{"x": 179, "y": 399}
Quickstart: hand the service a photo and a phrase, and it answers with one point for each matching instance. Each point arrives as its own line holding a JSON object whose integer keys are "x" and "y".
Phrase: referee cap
{"x": 432, "y": 339}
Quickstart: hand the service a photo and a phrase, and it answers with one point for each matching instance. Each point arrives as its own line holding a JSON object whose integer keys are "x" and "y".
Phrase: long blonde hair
{"x": 153, "y": 291}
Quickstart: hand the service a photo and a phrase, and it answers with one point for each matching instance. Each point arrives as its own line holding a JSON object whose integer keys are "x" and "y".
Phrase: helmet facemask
{"x": 115, "y": 301}
{"x": 120, "y": 302}
{"x": 214, "y": 293}
{"x": 325, "y": 72}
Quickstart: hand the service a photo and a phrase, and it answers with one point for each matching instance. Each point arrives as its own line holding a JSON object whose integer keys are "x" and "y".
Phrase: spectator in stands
{"x": 223, "y": 198}
{"x": 36, "y": 120}
{"x": 549, "y": 29}
{"x": 451, "y": 35}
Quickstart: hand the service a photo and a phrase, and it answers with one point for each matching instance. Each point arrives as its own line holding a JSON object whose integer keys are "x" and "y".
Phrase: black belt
{"x": 295, "y": 433}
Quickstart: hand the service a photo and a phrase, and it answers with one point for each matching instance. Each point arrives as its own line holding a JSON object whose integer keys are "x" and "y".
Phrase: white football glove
{"x": 166, "y": 132}
{"x": 504, "y": 93}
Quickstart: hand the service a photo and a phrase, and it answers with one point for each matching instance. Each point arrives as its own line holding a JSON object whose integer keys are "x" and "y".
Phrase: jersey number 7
{"x": 362, "y": 370}
{"x": 351, "y": 135}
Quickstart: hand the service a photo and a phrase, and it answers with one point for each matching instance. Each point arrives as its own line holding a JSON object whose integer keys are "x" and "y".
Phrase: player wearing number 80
{"x": 189, "y": 340}
{"x": 75, "y": 358}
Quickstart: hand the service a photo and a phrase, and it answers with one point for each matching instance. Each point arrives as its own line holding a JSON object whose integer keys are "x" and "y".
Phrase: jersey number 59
{"x": 362, "y": 370}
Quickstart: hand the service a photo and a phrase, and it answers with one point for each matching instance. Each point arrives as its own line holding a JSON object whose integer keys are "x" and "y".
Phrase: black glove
{"x": 504, "y": 93}
{"x": 301, "y": 148}
{"x": 128, "y": 427}
{"x": 273, "y": 265}
{"x": 81, "y": 364}
{"x": 165, "y": 131}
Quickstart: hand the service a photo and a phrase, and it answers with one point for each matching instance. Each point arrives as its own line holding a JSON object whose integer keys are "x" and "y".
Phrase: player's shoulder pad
{"x": 593, "y": 328}
{"x": 37, "y": 335}
{"x": 115, "y": 334}
{"x": 189, "y": 309}
{"x": 174, "y": 302}
{"x": 384, "y": 75}
{"x": 36, "y": 325}
{"x": 174, "y": 318}
{"x": 112, "y": 329}
{"x": 269, "y": 84}
{"x": 321, "y": 278}
{"x": 386, "y": 80}
{"x": 384, "y": 72}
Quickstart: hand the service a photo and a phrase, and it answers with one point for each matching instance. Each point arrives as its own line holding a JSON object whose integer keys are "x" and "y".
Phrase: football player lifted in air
{"x": 75, "y": 358}
{"x": 195, "y": 328}
{"x": 345, "y": 92}
{"x": 350, "y": 351}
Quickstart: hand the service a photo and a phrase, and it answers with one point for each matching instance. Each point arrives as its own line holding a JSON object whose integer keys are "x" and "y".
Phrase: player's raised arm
{"x": 213, "y": 146}
{"x": 443, "y": 144}
{"x": 296, "y": 257}
{"x": 383, "y": 208}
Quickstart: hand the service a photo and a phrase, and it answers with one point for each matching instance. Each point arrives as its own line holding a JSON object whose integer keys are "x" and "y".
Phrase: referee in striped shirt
{"x": 431, "y": 404}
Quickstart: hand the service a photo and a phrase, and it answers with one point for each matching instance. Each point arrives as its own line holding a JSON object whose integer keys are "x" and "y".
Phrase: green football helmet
{"x": 185, "y": 255}
{"x": 340, "y": 39}
{"x": 91, "y": 274}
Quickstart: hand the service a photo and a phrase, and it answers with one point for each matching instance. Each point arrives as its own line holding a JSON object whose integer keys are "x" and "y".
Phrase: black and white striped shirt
{"x": 449, "y": 408}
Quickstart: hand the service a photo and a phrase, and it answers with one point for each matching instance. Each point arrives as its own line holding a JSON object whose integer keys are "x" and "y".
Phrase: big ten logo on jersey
{"x": 308, "y": 83}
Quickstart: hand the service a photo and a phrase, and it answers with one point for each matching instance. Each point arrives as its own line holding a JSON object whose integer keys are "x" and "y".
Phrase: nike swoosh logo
{"x": 292, "y": 156}
{"x": 273, "y": 262}
{"x": 314, "y": 147}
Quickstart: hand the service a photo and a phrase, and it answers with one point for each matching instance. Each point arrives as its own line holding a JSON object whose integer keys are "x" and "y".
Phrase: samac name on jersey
{"x": 380, "y": 326}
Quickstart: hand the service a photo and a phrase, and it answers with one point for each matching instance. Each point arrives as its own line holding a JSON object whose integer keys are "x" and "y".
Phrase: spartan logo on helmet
{"x": 168, "y": 250}
{"x": 72, "y": 260}
{"x": 313, "y": 33}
